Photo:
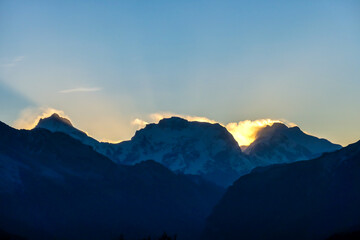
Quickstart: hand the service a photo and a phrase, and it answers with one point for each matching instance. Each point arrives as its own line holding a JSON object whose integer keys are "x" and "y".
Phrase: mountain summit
{"x": 55, "y": 122}
{"x": 281, "y": 144}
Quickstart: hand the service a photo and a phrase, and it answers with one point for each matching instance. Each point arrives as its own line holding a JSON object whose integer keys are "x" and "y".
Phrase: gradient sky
{"x": 105, "y": 64}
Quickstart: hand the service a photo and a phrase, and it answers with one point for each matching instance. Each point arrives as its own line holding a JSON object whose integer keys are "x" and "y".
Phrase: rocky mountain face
{"x": 54, "y": 186}
{"x": 312, "y": 199}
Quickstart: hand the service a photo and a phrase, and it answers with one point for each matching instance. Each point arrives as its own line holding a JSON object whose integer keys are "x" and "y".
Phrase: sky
{"x": 105, "y": 64}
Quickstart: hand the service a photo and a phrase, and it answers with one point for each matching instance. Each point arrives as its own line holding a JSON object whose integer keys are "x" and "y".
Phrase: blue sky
{"x": 106, "y": 63}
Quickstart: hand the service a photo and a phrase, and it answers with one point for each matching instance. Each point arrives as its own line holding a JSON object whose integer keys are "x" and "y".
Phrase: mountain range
{"x": 200, "y": 148}
{"x": 185, "y": 178}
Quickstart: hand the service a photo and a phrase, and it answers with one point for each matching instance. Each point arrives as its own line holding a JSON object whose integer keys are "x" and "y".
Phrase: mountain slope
{"x": 53, "y": 186}
{"x": 281, "y": 144}
{"x": 304, "y": 200}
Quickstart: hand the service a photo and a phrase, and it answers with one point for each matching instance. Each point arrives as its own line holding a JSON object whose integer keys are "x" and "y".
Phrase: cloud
{"x": 13, "y": 62}
{"x": 30, "y": 117}
{"x": 139, "y": 123}
{"x": 73, "y": 90}
{"x": 244, "y": 132}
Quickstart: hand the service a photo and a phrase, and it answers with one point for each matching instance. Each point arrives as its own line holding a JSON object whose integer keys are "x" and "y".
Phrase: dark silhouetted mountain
{"x": 280, "y": 144}
{"x": 311, "y": 199}
{"x": 53, "y": 186}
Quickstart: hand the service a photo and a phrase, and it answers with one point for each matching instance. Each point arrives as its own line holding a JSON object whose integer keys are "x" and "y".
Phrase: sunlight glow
{"x": 245, "y": 132}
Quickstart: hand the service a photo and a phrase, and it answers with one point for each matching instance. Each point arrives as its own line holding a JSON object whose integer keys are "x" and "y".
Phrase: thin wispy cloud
{"x": 74, "y": 90}
{"x": 13, "y": 62}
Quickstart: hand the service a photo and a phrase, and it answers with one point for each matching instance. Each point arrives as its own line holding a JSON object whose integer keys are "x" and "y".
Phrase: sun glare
{"x": 245, "y": 132}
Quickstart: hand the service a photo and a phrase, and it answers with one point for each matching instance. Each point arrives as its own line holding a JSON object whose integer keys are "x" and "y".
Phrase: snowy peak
{"x": 279, "y": 143}
{"x": 54, "y": 123}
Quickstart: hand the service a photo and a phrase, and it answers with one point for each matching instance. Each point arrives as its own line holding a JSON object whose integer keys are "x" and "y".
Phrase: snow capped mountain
{"x": 194, "y": 148}
{"x": 281, "y": 144}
